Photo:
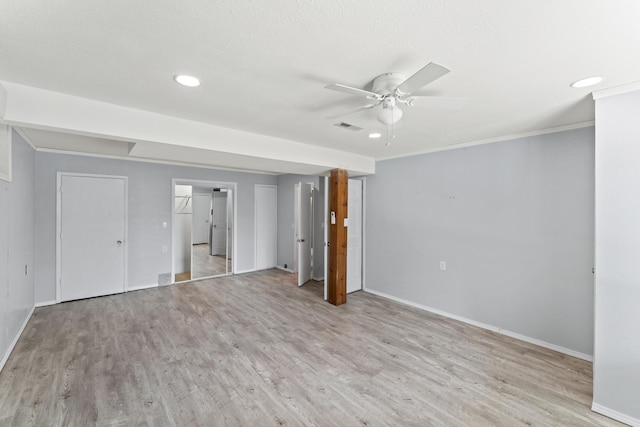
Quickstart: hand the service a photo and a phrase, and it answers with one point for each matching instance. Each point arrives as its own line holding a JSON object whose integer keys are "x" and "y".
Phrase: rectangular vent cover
{"x": 348, "y": 126}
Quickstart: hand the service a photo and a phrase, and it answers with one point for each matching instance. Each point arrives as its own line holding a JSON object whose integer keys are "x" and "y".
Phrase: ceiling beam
{"x": 36, "y": 108}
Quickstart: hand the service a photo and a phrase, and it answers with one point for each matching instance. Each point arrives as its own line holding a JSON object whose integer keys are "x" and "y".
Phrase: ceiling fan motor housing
{"x": 385, "y": 84}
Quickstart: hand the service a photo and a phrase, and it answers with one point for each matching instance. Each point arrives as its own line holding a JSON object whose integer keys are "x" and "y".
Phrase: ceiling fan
{"x": 391, "y": 89}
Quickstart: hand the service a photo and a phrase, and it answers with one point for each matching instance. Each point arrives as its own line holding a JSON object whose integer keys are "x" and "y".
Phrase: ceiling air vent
{"x": 348, "y": 126}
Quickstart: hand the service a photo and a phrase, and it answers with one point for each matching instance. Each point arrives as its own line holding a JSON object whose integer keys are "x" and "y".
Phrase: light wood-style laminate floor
{"x": 256, "y": 350}
{"x": 205, "y": 265}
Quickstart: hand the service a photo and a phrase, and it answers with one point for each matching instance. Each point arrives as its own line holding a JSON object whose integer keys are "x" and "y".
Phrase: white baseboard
{"x": 623, "y": 418}
{"x": 492, "y": 328}
{"x": 139, "y": 288}
{"x": 251, "y": 270}
{"x": 45, "y": 303}
{"x": 288, "y": 270}
{"x": 15, "y": 340}
{"x": 319, "y": 279}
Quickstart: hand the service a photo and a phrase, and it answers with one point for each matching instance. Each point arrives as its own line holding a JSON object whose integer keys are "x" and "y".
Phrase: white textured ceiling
{"x": 264, "y": 64}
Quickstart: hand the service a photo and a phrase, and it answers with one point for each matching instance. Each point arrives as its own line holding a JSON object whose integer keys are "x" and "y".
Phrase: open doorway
{"x": 203, "y": 229}
{"x": 289, "y": 231}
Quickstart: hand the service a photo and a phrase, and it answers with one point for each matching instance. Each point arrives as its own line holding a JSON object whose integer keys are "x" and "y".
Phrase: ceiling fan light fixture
{"x": 375, "y": 135}
{"x": 186, "y": 80}
{"x": 389, "y": 116}
{"x": 589, "y": 81}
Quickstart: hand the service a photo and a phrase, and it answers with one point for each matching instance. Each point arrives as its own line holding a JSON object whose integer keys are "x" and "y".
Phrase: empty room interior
{"x": 319, "y": 213}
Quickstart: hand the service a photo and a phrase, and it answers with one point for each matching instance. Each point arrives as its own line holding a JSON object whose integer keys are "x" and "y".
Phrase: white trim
{"x": 204, "y": 183}
{"x": 326, "y": 237}
{"x": 172, "y": 279}
{"x": 318, "y": 279}
{"x": 59, "y": 176}
{"x": 505, "y": 332}
{"x": 246, "y": 271}
{"x": 45, "y": 303}
{"x": 496, "y": 139}
{"x": 126, "y": 233}
{"x": 24, "y": 136}
{"x": 297, "y": 189}
{"x": 616, "y": 90}
{"x": 144, "y": 160}
{"x": 15, "y": 339}
{"x": 364, "y": 234}
{"x": 615, "y": 415}
{"x": 288, "y": 270}
{"x": 141, "y": 287}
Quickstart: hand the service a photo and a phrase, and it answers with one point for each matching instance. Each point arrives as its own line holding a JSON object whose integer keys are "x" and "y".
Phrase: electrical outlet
{"x": 443, "y": 265}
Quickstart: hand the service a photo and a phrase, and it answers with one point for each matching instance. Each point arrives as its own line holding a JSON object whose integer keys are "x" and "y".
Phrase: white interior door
{"x": 201, "y": 218}
{"x": 266, "y": 214}
{"x": 219, "y": 232}
{"x": 354, "y": 237}
{"x": 303, "y": 232}
{"x": 229, "y": 226}
{"x": 92, "y": 236}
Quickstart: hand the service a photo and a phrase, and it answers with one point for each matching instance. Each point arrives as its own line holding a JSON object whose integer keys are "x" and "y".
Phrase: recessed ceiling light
{"x": 186, "y": 80}
{"x": 375, "y": 135}
{"x": 589, "y": 81}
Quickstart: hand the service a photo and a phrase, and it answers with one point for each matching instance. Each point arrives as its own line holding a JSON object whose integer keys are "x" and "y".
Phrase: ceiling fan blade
{"x": 422, "y": 77}
{"x": 355, "y": 110}
{"x": 445, "y": 102}
{"x": 353, "y": 91}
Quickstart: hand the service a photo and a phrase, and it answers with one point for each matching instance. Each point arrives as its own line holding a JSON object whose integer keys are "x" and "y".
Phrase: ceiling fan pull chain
{"x": 390, "y": 130}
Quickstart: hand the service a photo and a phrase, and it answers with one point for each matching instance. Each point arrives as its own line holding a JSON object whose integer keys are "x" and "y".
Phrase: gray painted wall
{"x": 616, "y": 379}
{"x": 286, "y": 221}
{"x": 16, "y": 244}
{"x": 150, "y": 204}
{"x": 514, "y": 223}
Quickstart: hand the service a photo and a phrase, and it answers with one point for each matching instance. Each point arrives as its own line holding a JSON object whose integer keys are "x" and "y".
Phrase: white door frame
{"x": 352, "y": 222}
{"x": 203, "y": 183}
{"x": 296, "y": 233}
{"x": 296, "y": 212}
{"x": 214, "y": 217}
{"x": 364, "y": 234}
{"x": 326, "y": 238}
{"x": 59, "y": 226}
